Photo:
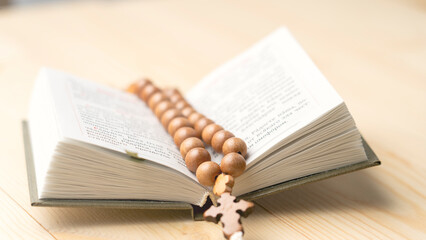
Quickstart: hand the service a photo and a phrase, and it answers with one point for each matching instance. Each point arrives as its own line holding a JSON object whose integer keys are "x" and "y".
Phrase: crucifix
{"x": 228, "y": 211}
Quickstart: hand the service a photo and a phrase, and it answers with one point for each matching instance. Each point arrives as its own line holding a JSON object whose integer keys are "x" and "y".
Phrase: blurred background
{"x": 4, "y": 3}
{"x": 373, "y": 52}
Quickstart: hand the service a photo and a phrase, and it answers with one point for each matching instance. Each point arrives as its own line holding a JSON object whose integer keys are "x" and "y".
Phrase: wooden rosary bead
{"x": 233, "y": 164}
{"x": 133, "y": 88}
{"x": 155, "y": 99}
{"x": 148, "y": 91}
{"x": 175, "y": 98}
{"x": 224, "y": 183}
{"x": 195, "y": 157}
{"x": 181, "y": 104}
{"x": 219, "y": 138}
{"x": 209, "y": 131}
{"x": 143, "y": 82}
{"x": 207, "y": 172}
{"x": 187, "y": 111}
{"x": 189, "y": 144}
{"x": 177, "y": 123}
{"x": 201, "y": 124}
{"x": 162, "y": 107}
{"x": 183, "y": 133}
{"x": 234, "y": 145}
{"x": 136, "y": 87}
{"x": 171, "y": 91}
{"x": 169, "y": 115}
{"x": 194, "y": 117}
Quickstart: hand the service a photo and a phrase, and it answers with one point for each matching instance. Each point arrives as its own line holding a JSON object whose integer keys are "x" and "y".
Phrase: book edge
{"x": 196, "y": 211}
{"x": 371, "y": 161}
{"x": 98, "y": 203}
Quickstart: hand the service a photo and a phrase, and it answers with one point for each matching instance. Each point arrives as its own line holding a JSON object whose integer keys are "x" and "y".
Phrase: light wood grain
{"x": 373, "y": 53}
{"x": 16, "y": 223}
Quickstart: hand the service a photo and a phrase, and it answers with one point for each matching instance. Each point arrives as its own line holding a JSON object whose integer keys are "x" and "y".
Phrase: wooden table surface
{"x": 372, "y": 51}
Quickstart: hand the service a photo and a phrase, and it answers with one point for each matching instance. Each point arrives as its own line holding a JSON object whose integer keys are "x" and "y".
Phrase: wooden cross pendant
{"x": 229, "y": 213}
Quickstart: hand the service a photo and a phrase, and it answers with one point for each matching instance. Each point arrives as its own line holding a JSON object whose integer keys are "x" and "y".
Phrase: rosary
{"x": 189, "y": 130}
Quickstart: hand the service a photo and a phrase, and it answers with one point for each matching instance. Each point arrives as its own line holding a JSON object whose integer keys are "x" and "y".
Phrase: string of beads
{"x": 189, "y": 130}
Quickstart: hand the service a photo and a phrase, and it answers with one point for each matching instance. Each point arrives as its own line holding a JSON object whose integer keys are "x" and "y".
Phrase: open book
{"x": 272, "y": 96}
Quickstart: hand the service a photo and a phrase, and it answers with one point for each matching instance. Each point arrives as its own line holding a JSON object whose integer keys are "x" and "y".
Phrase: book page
{"x": 265, "y": 94}
{"x": 112, "y": 119}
